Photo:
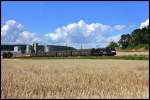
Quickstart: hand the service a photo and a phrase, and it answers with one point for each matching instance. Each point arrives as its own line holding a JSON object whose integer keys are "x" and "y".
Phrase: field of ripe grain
{"x": 74, "y": 78}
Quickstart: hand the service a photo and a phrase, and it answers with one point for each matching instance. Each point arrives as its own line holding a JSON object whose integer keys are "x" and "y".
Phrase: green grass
{"x": 134, "y": 57}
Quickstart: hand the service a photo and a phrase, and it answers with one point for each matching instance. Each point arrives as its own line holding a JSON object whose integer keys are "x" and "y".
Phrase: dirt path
{"x": 131, "y": 53}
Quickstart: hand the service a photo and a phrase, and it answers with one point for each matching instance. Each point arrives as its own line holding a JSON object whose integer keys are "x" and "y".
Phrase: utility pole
{"x": 81, "y": 46}
{"x": 97, "y": 46}
{"x": 66, "y": 48}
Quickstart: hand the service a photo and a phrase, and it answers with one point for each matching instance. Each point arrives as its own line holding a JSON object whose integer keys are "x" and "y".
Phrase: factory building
{"x": 31, "y": 50}
{"x": 17, "y": 51}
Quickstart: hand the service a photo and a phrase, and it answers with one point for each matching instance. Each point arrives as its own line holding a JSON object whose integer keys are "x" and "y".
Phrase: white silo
{"x": 35, "y": 47}
{"x": 46, "y": 49}
{"x": 28, "y": 49}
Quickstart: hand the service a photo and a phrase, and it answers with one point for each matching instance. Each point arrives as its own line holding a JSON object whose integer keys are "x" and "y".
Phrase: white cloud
{"x": 78, "y": 32}
{"x": 74, "y": 34}
{"x": 144, "y": 24}
{"x": 83, "y": 33}
{"x": 11, "y": 27}
{"x": 133, "y": 26}
{"x": 12, "y": 32}
{"x": 4, "y": 30}
{"x": 27, "y": 37}
{"x": 26, "y": 34}
{"x": 114, "y": 38}
{"x": 119, "y": 27}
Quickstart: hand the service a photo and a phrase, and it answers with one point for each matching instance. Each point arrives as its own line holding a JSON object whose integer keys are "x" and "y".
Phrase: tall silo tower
{"x": 28, "y": 49}
{"x": 35, "y": 47}
{"x": 46, "y": 49}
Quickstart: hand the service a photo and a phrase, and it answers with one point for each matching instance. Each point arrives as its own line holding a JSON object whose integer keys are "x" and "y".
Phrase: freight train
{"x": 82, "y": 52}
{"x": 65, "y": 53}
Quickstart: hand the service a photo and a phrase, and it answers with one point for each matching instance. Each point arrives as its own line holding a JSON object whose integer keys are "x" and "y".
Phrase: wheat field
{"x": 74, "y": 78}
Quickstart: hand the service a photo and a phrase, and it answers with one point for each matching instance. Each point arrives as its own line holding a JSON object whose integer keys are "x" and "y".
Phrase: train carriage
{"x": 84, "y": 52}
{"x": 75, "y": 53}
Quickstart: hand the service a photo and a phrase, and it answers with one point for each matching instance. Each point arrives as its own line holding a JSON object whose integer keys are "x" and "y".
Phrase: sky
{"x": 92, "y": 24}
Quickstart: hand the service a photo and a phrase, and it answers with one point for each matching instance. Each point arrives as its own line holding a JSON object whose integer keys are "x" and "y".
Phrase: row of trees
{"x": 138, "y": 38}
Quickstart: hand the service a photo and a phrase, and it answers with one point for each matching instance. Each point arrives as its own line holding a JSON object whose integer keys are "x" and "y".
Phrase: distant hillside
{"x": 40, "y": 47}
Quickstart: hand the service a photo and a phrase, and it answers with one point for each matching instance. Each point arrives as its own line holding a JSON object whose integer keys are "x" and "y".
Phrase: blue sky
{"x": 45, "y": 17}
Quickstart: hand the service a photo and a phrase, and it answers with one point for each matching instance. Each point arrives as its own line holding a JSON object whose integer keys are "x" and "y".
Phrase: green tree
{"x": 113, "y": 44}
{"x": 125, "y": 40}
{"x": 136, "y": 37}
{"x": 140, "y": 36}
{"x": 145, "y": 34}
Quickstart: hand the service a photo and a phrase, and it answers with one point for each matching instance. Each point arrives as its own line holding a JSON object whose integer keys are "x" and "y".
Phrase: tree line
{"x": 138, "y": 38}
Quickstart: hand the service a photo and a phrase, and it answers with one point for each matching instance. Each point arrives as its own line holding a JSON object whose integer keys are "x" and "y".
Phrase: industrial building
{"x": 31, "y": 50}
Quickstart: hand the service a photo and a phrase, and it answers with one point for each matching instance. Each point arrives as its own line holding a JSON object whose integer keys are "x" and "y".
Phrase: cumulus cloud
{"x": 74, "y": 34}
{"x": 119, "y": 27}
{"x": 114, "y": 38}
{"x": 26, "y": 34}
{"x": 27, "y": 37}
{"x": 83, "y": 33}
{"x": 11, "y": 27}
{"x": 13, "y": 32}
{"x": 78, "y": 32}
{"x": 144, "y": 24}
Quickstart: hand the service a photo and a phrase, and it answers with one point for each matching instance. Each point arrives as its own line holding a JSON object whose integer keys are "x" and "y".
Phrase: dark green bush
{"x": 7, "y": 55}
{"x": 146, "y": 47}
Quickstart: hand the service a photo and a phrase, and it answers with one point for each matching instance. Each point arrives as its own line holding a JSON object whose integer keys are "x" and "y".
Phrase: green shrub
{"x": 7, "y": 55}
{"x": 146, "y": 46}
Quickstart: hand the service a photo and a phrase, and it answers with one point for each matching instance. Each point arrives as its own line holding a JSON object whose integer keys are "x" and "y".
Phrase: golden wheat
{"x": 74, "y": 78}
